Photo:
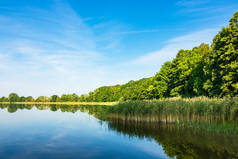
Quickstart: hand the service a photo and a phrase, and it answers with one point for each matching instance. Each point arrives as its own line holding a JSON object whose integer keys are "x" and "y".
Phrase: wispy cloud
{"x": 198, "y": 8}
{"x": 150, "y": 62}
{"x": 169, "y": 51}
{"x": 207, "y": 10}
{"x": 192, "y": 3}
{"x": 138, "y": 31}
{"x": 55, "y": 50}
{"x": 49, "y": 51}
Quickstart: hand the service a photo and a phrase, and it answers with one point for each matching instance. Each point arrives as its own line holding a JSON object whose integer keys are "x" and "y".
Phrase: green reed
{"x": 179, "y": 109}
{"x": 210, "y": 114}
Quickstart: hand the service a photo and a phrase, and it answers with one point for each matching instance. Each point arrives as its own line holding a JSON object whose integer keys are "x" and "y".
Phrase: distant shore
{"x": 65, "y": 103}
{"x": 209, "y": 114}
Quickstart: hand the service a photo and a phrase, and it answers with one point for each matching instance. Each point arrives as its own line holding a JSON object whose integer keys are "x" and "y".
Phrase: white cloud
{"x": 47, "y": 52}
{"x": 138, "y": 31}
{"x": 56, "y": 51}
{"x": 169, "y": 51}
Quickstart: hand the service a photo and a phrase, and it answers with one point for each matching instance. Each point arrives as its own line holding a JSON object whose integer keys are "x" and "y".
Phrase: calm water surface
{"x": 44, "y": 134}
{"x": 50, "y": 133}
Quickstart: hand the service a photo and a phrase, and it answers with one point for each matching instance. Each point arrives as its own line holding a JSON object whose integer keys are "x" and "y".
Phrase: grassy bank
{"x": 179, "y": 109}
{"x": 63, "y": 103}
{"x": 209, "y": 114}
{"x": 165, "y": 110}
{"x": 206, "y": 114}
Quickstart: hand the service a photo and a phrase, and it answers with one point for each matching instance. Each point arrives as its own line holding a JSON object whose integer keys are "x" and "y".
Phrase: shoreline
{"x": 65, "y": 103}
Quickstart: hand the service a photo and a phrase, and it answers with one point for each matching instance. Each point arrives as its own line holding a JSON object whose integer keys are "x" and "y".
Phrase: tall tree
{"x": 181, "y": 83}
{"x": 13, "y": 97}
{"x": 162, "y": 79}
{"x": 54, "y": 98}
{"x": 222, "y": 67}
{"x": 198, "y": 77}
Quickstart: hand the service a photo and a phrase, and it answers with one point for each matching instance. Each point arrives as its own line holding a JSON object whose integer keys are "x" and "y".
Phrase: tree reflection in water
{"x": 177, "y": 141}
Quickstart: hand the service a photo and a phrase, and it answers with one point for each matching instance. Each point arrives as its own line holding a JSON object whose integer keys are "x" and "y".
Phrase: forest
{"x": 210, "y": 71}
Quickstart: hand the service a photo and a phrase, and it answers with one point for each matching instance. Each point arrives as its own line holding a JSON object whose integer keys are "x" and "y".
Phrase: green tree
{"x": 29, "y": 99}
{"x": 12, "y": 108}
{"x": 22, "y": 99}
{"x": 162, "y": 79}
{"x": 5, "y": 99}
{"x": 82, "y": 98}
{"x": 13, "y": 97}
{"x": 74, "y": 97}
{"x": 54, "y": 98}
{"x": 42, "y": 99}
{"x": 222, "y": 66}
{"x": 198, "y": 77}
{"x": 183, "y": 82}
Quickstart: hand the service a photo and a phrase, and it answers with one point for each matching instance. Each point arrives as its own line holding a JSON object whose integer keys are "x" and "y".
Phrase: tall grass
{"x": 210, "y": 114}
{"x": 179, "y": 109}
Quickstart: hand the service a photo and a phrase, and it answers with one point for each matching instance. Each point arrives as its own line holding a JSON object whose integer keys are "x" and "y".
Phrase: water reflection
{"x": 177, "y": 142}
{"x": 40, "y": 133}
{"x": 180, "y": 142}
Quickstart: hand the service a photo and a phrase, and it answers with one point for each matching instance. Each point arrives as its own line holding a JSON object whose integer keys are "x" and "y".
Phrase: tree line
{"x": 14, "y": 97}
{"x": 205, "y": 70}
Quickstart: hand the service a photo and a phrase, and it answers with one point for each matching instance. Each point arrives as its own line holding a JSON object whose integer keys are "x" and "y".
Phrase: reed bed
{"x": 209, "y": 114}
{"x": 179, "y": 109}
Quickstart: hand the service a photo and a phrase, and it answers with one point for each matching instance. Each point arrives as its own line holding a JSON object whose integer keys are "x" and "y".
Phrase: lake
{"x": 43, "y": 132}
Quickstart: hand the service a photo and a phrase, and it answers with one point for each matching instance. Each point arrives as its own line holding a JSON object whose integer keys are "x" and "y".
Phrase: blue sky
{"x": 65, "y": 46}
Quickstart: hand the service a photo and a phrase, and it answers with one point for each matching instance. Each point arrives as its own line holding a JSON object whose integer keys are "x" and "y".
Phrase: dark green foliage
{"x": 186, "y": 72}
{"x": 4, "y": 99}
{"x": 69, "y": 98}
{"x": 202, "y": 71}
{"x": 180, "y": 142}
{"x": 162, "y": 80}
{"x": 29, "y": 99}
{"x": 222, "y": 66}
{"x": 141, "y": 89}
{"x": 105, "y": 93}
{"x": 26, "y": 99}
{"x": 83, "y": 97}
{"x": 54, "y": 98}
{"x": 13, "y": 97}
